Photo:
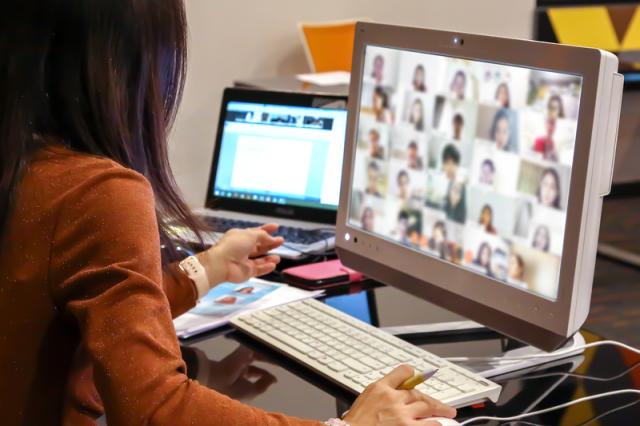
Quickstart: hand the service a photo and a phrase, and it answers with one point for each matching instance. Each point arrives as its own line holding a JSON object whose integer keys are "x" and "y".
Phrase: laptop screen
{"x": 280, "y": 154}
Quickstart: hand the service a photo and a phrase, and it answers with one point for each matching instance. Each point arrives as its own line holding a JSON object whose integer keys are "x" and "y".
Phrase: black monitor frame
{"x": 319, "y": 215}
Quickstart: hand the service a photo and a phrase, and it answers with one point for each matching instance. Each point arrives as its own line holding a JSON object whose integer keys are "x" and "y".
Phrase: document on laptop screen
{"x": 282, "y": 154}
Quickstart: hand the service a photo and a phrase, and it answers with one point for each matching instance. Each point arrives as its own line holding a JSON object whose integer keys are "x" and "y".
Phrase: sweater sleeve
{"x": 105, "y": 273}
{"x": 180, "y": 290}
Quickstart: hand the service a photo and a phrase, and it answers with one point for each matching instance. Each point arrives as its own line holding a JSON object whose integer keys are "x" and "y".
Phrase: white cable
{"x": 546, "y": 355}
{"x": 546, "y": 410}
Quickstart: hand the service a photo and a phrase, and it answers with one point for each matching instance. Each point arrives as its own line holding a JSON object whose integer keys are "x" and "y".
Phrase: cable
{"x": 546, "y": 410}
{"x": 576, "y": 375}
{"x": 593, "y": 419}
{"x": 555, "y": 354}
{"x": 606, "y": 413}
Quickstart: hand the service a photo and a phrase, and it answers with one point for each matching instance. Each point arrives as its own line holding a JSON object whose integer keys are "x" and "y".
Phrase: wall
{"x": 252, "y": 38}
{"x": 628, "y": 151}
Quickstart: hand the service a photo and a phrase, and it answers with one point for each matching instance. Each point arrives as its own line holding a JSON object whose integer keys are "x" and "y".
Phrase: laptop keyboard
{"x": 290, "y": 234}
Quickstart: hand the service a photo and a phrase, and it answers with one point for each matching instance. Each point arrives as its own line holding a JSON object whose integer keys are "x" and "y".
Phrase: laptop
{"x": 278, "y": 159}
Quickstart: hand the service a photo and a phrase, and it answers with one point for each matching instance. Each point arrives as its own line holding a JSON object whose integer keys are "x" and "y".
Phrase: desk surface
{"x": 301, "y": 393}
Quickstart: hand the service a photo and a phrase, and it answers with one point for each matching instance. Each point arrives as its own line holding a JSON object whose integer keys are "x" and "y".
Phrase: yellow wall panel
{"x": 631, "y": 40}
{"x": 584, "y": 26}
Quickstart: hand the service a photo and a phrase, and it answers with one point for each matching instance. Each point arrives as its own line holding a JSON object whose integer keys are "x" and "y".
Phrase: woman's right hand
{"x": 382, "y": 404}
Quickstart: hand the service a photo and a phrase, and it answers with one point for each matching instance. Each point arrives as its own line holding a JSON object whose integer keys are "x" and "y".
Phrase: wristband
{"x": 336, "y": 422}
{"x": 196, "y": 272}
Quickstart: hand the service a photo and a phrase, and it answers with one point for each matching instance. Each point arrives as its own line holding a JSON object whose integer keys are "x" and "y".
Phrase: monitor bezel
{"x": 449, "y": 285}
{"x": 307, "y": 99}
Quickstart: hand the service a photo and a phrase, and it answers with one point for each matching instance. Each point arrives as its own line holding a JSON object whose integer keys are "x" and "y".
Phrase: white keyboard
{"x": 354, "y": 354}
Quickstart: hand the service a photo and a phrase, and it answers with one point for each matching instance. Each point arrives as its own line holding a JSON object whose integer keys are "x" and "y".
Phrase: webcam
{"x": 458, "y": 41}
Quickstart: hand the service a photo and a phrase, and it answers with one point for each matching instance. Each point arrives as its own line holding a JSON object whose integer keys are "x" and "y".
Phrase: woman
{"x": 458, "y": 85}
{"x": 416, "y": 116}
{"x": 367, "y": 219}
{"x": 486, "y": 219}
{"x": 457, "y": 124}
{"x": 419, "y": 79}
{"x": 414, "y": 160}
{"x": 402, "y": 181}
{"x": 541, "y": 238}
{"x": 375, "y": 148}
{"x": 487, "y": 172}
{"x": 88, "y": 92}
{"x": 438, "y": 240}
{"x": 503, "y": 97}
{"x": 373, "y": 177}
{"x": 555, "y": 107}
{"x": 545, "y": 145}
{"x": 483, "y": 258}
{"x": 381, "y": 106}
{"x": 402, "y": 230}
{"x": 515, "y": 269}
{"x": 455, "y": 205}
{"x": 500, "y": 131}
{"x": 377, "y": 73}
{"x": 549, "y": 189}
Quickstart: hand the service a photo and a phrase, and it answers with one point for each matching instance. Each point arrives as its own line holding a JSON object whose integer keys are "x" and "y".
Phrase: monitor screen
{"x": 300, "y": 147}
{"x": 467, "y": 161}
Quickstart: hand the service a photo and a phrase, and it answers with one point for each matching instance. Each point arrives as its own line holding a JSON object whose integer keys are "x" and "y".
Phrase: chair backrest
{"x": 328, "y": 45}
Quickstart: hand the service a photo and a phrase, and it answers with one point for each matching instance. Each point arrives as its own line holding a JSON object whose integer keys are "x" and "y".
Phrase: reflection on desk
{"x": 299, "y": 392}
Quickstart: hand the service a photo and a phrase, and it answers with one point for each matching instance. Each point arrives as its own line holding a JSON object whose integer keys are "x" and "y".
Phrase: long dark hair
{"x": 102, "y": 77}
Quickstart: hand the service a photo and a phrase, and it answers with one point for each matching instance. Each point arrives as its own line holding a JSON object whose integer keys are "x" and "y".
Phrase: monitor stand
{"x": 459, "y": 331}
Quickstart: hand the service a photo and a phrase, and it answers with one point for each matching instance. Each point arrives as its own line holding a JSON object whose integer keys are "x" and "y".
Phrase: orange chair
{"x": 328, "y": 45}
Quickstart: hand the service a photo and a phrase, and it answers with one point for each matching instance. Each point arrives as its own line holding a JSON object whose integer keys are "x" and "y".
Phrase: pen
{"x": 417, "y": 378}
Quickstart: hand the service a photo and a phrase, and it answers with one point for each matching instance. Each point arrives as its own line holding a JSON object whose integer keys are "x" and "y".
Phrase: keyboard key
{"x": 325, "y": 360}
{"x": 337, "y": 366}
{"x": 373, "y": 376}
{"x": 386, "y": 360}
{"x": 467, "y": 387}
{"x": 445, "y": 394}
{"x": 350, "y": 374}
{"x": 361, "y": 380}
{"x": 438, "y": 385}
{"x": 295, "y": 344}
{"x": 356, "y": 366}
{"x": 400, "y": 356}
{"x": 371, "y": 363}
{"x": 332, "y": 353}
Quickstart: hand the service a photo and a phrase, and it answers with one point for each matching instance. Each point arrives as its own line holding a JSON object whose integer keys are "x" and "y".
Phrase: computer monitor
{"x": 474, "y": 172}
{"x": 279, "y": 154}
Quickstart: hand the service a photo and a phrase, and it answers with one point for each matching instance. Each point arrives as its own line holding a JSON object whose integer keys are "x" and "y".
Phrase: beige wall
{"x": 257, "y": 38}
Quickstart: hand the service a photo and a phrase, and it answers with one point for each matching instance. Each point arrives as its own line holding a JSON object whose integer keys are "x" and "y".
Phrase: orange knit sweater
{"x": 83, "y": 296}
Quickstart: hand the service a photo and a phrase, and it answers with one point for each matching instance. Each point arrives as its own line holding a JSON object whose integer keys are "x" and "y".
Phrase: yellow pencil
{"x": 417, "y": 378}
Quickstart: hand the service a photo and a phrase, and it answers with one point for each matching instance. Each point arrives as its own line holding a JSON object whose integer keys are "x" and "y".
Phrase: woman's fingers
{"x": 437, "y": 408}
{"x": 396, "y": 377}
{"x": 271, "y": 258}
{"x": 270, "y": 228}
{"x": 262, "y": 267}
{"x": 264, "y": 242}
